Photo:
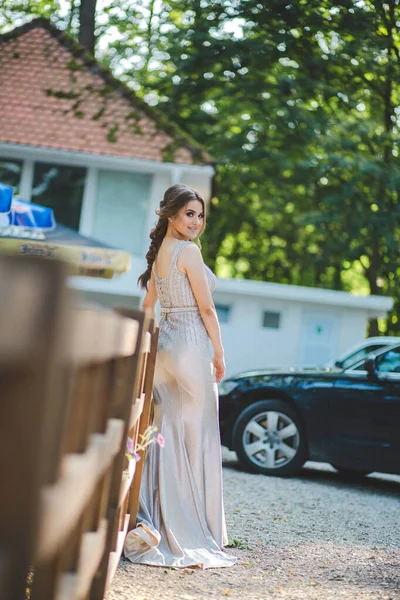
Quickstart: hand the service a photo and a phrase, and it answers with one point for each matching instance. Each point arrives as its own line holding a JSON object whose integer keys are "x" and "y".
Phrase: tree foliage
{"x": 299, "y": 104}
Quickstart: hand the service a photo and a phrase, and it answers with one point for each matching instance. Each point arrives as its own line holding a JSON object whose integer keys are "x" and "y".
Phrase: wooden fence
{"x": 75, "y": 382}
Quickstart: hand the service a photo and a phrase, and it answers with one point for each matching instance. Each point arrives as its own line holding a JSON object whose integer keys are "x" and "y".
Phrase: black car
{"x": 277, "y": 420}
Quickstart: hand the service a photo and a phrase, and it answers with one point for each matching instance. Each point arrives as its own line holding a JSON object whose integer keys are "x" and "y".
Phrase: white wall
{"x": 250, "y": 346}
{"x": 247, "y": 344}
{"x": 353, "y": 329}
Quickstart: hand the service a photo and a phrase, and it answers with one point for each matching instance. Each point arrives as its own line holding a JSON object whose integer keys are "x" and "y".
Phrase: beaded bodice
{"x": 181, "y": 321}
{"x": 174, "y": 289}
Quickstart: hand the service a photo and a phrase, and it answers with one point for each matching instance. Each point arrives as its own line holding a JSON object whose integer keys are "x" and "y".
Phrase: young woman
{"x": 181, "y": 518}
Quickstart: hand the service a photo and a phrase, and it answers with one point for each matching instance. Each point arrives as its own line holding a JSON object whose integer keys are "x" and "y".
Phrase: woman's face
{"x": 190, "y": 220}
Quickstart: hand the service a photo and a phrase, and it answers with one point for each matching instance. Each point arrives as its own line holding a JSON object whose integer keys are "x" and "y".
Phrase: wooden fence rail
{"x": 74, "y": 383}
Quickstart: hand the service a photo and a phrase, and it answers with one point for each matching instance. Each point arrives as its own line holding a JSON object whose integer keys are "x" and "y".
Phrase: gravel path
{"x": 312, "y": 537}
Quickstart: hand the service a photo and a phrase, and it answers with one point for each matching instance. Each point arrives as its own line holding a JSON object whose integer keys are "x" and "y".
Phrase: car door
{"x": 312, "y": 394}
{"x": 365, "y": 416}
{"x": 388, "y": 373}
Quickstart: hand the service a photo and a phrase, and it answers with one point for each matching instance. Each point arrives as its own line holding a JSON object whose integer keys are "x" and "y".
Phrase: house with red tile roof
{"x": 76, "y": 139}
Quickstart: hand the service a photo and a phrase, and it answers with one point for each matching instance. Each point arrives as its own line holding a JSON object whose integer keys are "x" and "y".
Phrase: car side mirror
{"x": 338, "y": 364}
{"x": 370, "y": 365}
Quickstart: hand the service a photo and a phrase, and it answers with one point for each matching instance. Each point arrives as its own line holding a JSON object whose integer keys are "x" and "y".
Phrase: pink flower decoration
{"x": 135, "y": 456}
{"x": 130, "y": 446}
{"x": 160, "y": 440}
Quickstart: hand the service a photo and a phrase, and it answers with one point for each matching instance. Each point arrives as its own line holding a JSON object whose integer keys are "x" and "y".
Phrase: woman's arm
{"x": 150, "y": 298}
{"x": 191, "y": 262}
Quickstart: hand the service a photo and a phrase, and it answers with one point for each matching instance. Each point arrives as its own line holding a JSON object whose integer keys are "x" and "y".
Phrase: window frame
{"x": 45, "y": 166}
{"x": 355, "y": 369}
{"x": 378, "y": 347}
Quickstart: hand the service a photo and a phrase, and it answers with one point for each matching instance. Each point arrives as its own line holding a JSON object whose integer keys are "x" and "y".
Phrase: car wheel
{"x": 269, "y": 438}
{"x": 351, "y": 473}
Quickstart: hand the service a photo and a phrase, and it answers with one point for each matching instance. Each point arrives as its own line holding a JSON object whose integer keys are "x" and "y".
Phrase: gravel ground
{"x": 315, "y": 536}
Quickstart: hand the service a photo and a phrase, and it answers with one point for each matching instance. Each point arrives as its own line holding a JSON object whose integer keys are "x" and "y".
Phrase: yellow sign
{"x": 87, "y": 260}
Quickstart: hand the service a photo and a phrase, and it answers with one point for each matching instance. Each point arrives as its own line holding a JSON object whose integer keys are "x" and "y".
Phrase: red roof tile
{"x": 54, "y": 95}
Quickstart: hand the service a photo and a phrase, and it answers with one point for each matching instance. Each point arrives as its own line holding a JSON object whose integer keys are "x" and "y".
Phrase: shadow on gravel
{"x": 374, "y": 483}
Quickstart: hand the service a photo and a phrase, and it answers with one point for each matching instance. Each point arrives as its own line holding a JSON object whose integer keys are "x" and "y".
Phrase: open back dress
{"x": 181, "y": 520}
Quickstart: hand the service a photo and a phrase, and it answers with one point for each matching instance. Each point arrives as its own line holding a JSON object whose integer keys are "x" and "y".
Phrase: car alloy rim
{"x": 271, "y": 439}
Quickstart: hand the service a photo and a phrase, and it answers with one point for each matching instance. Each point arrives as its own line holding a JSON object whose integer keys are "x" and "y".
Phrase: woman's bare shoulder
{"x": 190, "y": 257}
{"x": 191, "y": 251}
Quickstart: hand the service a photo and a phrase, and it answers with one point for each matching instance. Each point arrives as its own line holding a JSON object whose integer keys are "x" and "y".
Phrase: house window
{"x": 61, "y": 188}
{"x": 223, "y": 312}
{"x": 271, "y": 320}
{"x": 10, "y": 173}
{"x": 121, "y": 210}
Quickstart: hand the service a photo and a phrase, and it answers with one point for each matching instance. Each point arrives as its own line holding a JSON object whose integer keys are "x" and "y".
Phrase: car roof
{"x": 383, "y": 340}
{"x": 375, "y": 353}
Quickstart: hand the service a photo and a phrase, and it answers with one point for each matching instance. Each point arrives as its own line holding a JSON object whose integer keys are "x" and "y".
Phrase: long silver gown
{"x": 181, "y": 519}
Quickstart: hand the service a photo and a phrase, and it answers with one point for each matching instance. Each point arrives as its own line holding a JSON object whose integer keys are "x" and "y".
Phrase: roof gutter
{"x": 101, "y": 161}
{"x": 376, "y": 306}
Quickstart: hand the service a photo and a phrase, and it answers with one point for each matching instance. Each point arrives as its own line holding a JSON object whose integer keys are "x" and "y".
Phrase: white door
{"x": 319, "y": 338}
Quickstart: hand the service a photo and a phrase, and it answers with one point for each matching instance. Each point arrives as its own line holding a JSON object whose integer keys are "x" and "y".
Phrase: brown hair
{"x": 175, "y": 198}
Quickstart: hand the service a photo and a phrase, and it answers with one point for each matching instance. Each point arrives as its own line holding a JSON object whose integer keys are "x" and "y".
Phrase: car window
{"x": 353, "y": 358}
{"x": 389, "y": 362}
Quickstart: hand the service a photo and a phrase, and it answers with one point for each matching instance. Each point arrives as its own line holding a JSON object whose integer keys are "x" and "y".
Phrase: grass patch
{"x": 237, "y": 543}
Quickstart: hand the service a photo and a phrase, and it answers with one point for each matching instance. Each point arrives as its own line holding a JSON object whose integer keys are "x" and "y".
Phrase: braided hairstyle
{"x": 175, "y": 198}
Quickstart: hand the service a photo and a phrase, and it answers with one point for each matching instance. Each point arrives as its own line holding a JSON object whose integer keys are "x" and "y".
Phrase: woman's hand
{"x": 219, "y": 365}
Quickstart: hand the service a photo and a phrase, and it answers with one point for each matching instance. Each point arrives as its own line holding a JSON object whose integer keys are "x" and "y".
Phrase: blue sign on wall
{"x": 6, "y": 194}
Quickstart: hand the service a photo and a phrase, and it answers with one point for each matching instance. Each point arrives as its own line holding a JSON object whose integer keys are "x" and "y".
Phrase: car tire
{"x": 351, "y": 473}
{"x": 261, "y": 444}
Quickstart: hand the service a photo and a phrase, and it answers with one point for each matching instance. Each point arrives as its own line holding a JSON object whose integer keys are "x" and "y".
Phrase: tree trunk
{"x": 87, "y": 14}
{"x": 376, "y": 258}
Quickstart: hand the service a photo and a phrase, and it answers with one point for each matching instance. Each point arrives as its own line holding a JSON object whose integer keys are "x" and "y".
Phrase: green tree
{"x": 14, "y": 13}
{"x": 300, "y": 113}
{"x": 299, "y": 105}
